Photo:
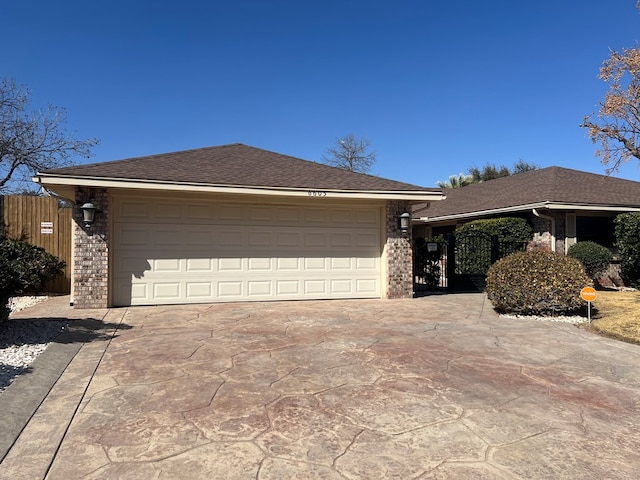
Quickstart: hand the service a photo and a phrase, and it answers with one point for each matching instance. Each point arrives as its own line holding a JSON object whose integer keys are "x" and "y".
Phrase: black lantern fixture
{"x": 404, "y": 221}
{"x": 88, "y": 214}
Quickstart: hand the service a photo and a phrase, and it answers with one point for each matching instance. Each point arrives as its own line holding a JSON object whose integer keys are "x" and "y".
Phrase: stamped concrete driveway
{"x": 429, "y": 388}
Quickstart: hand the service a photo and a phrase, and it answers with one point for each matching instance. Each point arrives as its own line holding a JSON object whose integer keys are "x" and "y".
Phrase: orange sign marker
{"x": 588, "y": 294}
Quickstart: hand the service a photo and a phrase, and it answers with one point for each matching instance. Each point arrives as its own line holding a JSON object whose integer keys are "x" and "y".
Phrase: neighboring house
{"x": 234, "y": 223}
{"x": 564, "y": 206}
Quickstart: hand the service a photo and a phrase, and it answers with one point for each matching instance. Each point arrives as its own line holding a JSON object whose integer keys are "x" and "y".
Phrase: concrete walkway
{"x": 431, "y": 388}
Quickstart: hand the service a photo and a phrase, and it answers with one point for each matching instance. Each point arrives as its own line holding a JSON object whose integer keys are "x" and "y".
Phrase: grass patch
{"x": 617, "y": 315}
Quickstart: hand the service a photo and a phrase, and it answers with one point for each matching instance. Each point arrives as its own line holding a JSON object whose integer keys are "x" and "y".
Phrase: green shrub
{"x": 536, "y": 283}
{"x": 627, "y": 232}
{"x": 24, "y": 268}
{"x": 508, "y": 229}
{"x": 593, "y": 256}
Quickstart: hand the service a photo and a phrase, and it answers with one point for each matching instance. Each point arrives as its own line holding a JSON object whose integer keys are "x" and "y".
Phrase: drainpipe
{"x": 553, "y": 227}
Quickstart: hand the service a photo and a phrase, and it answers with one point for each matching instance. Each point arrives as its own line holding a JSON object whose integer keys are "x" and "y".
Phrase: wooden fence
{"x": 43, "y": 222}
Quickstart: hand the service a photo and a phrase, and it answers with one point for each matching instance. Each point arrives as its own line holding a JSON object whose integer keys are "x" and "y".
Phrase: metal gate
{"x": 459, "y": 263}
{"x": 470, "y": 256}
{"x": 430, "y": 266}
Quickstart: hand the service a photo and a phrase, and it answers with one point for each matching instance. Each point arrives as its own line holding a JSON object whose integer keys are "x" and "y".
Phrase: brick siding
{"x": 399, "y": 253}
{"x": 542, "y": 235}
{"x": 91, "y": 251}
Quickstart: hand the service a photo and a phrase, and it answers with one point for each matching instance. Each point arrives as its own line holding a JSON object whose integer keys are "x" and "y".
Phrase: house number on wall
{"x": 317, "y": 193}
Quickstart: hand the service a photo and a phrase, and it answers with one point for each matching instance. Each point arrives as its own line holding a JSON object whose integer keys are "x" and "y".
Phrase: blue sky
{"x": 437, "y": 86}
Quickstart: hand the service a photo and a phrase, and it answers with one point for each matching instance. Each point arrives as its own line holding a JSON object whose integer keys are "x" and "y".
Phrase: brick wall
{"x": 91, "y": 251}
{"x": 542, "y": 235}
{"x": 611, "y": 276}
{"x": 399, "y": 254}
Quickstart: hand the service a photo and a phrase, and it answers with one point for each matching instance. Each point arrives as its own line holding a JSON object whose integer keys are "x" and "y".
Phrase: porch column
{"x": 91, "y": 251}
{"x": 399, "y": 253}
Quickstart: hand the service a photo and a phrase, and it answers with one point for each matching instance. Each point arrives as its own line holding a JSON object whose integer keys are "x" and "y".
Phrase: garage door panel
{"x": 341, "y": 240}
{"x": 341, "y": 263}
{"x": 287, "y": 288}
{"x": 260, "y": 264}
{"x": 198, "y": 238}
{"x": 371, "y": 240}
{"x": 199, "y": 290}
{"x": 198, "y": 251}
{"x": 230, "y": 265}
{"x": 164, "y": 265}
{"x": 342, "y": 286}
{"x": 314, "y": 240}
{"x": 259, "y": 288}
{"x": 288, "y": 264}
{"x": 163, "y": 291}
{"x": 230, "y": 289}
{"x": 311, "y": 263}
{"x": 261, "y": 239}
{"x": 315, "y": 287}
{"x": 231, "y": 212}
{"x": 167, "y": 211}
{"x": 131, "y": 237}
{"x": 200, "y": 265}
{"x": 138, "y": 292}
{"x": 231, "y": 238}
{"x": 288, "y": 215}
{"x": 287, "y": 239}
{"x": 367, "y": 286}
{"x": 132, "y": 210}
{"x": 367, "y": 263}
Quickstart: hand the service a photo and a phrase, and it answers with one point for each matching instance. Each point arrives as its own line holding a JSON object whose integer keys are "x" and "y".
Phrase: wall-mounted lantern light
{"x": 88, "y": 214}
{"x": 404, "y": 221}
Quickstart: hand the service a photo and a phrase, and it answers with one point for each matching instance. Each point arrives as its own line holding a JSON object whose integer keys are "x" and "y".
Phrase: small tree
{"x": 24, "y": 268}
{"x": 627, "y": 232}
{"x": 32, "y": 140}
{"x": 351, "y": 154}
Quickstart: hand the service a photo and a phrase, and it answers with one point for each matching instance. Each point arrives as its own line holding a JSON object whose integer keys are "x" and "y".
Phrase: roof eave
{"x": 51, "y": 181}
{"x": 528, "y": 207}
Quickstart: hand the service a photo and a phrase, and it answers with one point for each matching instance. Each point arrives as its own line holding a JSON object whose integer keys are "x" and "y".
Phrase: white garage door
{"x": 192, "y": 251}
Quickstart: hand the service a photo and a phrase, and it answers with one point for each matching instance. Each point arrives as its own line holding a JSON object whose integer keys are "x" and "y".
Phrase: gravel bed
{"x": 563, "y": 319}
{"x": 21, "y": 341}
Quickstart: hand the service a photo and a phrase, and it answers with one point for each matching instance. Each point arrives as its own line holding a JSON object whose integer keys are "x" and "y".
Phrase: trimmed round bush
{"x": 593, "y": 256}
{"x": 536, "y": 283}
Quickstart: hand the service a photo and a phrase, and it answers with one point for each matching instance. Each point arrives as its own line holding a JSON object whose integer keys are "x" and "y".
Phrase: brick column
{"x": 399, "y": 253}
{"x": 91, "y": 251}
{"x": 542, "y": 234}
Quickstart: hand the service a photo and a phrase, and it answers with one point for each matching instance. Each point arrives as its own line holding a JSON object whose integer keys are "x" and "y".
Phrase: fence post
{"x": 451, "y": 261}
{"x": 495, "y": 249}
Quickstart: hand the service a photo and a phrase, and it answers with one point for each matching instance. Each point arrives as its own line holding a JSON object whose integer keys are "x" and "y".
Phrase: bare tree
{"x": 32, "y": 140}
{"x": 351, "y": 154}
{"x": 617, "y": 125}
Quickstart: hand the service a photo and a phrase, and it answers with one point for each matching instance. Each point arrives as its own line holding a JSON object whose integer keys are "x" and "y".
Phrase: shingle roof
{"x": 553, "y": 184}
{"x": 235, "y": 165}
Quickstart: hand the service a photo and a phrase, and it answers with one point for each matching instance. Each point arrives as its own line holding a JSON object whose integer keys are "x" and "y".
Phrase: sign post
{"x": 588, "y": 294}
